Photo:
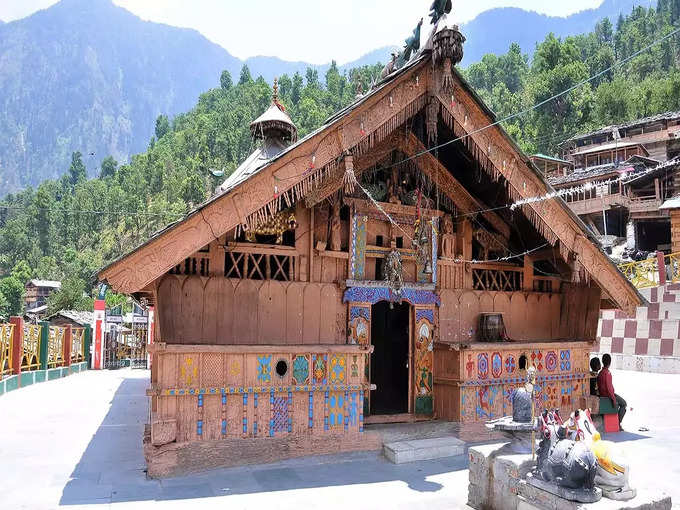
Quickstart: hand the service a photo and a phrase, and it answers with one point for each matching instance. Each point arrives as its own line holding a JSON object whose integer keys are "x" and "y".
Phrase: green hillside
{"x": 67, "y": 228}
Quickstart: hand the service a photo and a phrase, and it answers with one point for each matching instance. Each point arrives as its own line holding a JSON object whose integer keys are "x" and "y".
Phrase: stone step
{"x": 423, "y": 449}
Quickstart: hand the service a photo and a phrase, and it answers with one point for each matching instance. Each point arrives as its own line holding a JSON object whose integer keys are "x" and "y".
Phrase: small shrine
{"x": 403, "y": 262}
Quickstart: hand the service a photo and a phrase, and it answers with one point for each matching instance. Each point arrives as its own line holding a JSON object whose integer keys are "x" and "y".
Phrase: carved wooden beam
{"x": 366, "y": 124}
{"x": 439, "y": 174}
{"x": 524, "y": 182}
{"x": 334, "y": 182}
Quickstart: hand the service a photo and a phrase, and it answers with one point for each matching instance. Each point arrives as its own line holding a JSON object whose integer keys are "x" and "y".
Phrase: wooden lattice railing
{"x": 31, "y": 347}
{"x": 55, "y": 347}
{"x": 260, "y": 264}
{"x": 193, "y": 266}
{"x": 496, "y": 277}
{"x": 645, "y": 273}
{"x": 77, "y": 343}
{"x": 6, "y": 332}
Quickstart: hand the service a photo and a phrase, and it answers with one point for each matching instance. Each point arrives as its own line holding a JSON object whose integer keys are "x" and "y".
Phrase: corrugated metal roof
{"x": 78, "y": 316}
{"x": 633, "y": 123}
{"x": 46, "y": 283}
{"x": 584, "y": 173}
{"x": 671, "y": 203}
{"x": 551, "y": 158}
{"x": 609, "y": 146}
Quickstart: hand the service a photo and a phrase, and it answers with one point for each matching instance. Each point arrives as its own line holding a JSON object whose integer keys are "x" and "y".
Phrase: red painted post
{"x": 17, "y": 343}
{"x": 68, "y": 338}
{"x": 662, "y": 267}
{"x": 98, "y": 330}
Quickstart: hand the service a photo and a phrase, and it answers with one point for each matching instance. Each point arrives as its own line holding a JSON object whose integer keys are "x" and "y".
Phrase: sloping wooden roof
{"x": 315, "y": 162}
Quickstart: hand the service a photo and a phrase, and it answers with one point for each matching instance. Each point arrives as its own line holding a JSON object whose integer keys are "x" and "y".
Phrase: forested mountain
{"x": 493, "y": 30}
{"x": 86, "y": 75}
{"x": 68, "y": 227}
{"x": 648, "y": 84}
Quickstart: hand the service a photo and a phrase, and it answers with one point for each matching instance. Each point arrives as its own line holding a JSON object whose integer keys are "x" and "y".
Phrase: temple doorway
{"x": 389, "y": 361}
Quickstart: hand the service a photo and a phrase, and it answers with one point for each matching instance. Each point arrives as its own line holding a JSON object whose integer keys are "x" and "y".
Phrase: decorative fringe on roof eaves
{"x": 388, "y": 127}
{"x": 315, "y": 178}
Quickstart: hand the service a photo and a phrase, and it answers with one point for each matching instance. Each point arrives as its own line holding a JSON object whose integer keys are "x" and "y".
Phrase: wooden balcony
{"x": 598, "y": 204}
{"x": 646, "y": 205}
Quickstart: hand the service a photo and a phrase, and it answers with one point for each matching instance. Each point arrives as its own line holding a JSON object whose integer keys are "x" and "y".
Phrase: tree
{"x": 77, "y": 172}
{"x": 12, "y": 291}
{"x": 110, "y": 165}
{"x": 22, "y": 271}
{"x": 4, "y": 308}
{"x": 45, "y": 208}
{"x": 162, "y": 126}
{"x": 47, "y": 269}
{"x": 71, "y": 296}
{"x": 193, "y": 190}
{"x": 312, "y": 77}
{"x": 245, "y": 76}
{"x": 225, "y": 80}
{"x": 296, "y": 90}
{"x": 613, "y": 102}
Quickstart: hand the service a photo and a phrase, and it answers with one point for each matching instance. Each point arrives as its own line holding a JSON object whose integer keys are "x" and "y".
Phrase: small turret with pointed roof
{"x": 274, "y": 123}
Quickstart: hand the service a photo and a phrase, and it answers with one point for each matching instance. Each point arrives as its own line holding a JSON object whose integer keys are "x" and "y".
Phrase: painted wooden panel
{"x": 246, "y": 301}
{"x": 535, "y": 324}
{"x": 211, "y": 311}
{"x": 191, "y": 323}
{"x": 169, "y": 306}
{"x": 555, "y": 310}
{"x": 225, "y": 315}
{"x": 592, "y": 313}
{"x": 543, "y": 317}
{"x": 449, "y": 316}
{"x": 486, "y": 302}
{"x": 312, "y": 300}
{"x": 518, "y": 317}
{"x": 294, "y": 312}
{"x": 501, "y": 303}
{"x": 469, "y": 316}
{"x": 272, "y": 313}
{"x": 330, "y": 298}
{"x": 212, "y": 417}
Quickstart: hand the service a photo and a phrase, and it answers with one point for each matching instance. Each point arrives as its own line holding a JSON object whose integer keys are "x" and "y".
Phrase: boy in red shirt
{"x": 606, "y": 388}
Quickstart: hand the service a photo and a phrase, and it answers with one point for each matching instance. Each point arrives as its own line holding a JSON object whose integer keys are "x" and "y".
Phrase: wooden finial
{"x": 275, "y": 94}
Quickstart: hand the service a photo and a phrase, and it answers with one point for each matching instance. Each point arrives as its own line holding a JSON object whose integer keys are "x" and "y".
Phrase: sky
{"x": 306, "y": 30}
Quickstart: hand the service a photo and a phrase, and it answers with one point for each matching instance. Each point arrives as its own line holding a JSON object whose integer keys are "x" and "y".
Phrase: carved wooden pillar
{"x": 465, "y": 240}
{"x": 528, "y": 274}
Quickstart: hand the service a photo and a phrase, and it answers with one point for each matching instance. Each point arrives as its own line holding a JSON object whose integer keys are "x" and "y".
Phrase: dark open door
{"x": 389, "y": 361}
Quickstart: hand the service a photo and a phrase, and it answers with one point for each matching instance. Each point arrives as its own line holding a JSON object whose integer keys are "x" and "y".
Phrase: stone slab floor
{"x": 76, "y": 443}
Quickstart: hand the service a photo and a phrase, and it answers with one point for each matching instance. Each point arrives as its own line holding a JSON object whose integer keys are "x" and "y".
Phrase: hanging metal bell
{"x": 428, "y": 267}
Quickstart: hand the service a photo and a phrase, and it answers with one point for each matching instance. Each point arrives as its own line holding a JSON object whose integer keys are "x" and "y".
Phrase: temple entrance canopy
{"x": 273, "y": 297}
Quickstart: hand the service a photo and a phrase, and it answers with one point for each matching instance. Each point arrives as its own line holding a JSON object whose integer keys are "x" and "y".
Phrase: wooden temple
{"x": 339, "y": 280}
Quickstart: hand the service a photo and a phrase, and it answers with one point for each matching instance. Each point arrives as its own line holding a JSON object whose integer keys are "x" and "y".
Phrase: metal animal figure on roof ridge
{"x": 412, "y": 45}
{"x": 438, "y": 9}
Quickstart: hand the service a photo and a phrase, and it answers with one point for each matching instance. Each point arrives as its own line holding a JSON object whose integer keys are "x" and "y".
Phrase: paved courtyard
{"x": 76, "y": 442}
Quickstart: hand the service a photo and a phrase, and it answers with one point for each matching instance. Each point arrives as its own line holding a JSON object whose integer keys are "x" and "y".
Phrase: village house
{"x": 378, "y": 270}
{"x": 37, "y": 292}
{"x": 622, "y": 175}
